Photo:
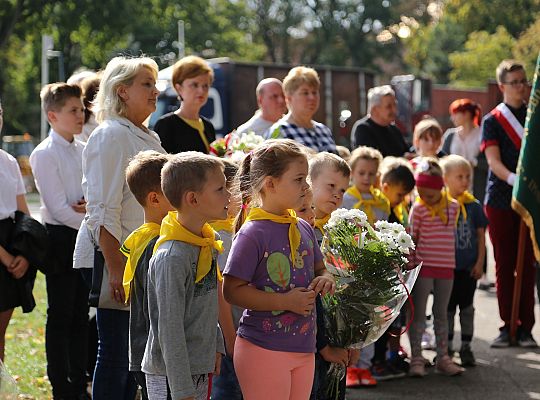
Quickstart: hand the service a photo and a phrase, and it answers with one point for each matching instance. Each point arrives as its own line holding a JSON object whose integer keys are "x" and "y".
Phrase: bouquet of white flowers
{"x": 235, "y": 145}
{"x": 369, "y": 266}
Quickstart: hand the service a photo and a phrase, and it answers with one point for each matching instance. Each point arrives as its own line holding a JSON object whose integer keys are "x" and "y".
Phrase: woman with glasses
{"x": 185, "y": 129}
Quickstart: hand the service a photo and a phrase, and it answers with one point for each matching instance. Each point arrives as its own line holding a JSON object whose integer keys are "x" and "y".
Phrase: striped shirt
{"x": 435, "y": 241}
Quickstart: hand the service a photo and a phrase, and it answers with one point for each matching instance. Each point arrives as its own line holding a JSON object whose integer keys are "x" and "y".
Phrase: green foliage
{"x": 476, "y": 64}
{"x": 528, "y": 46}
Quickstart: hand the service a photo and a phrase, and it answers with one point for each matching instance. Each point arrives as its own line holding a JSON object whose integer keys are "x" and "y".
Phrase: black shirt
{"x": 177, "y": 136}
{"x": 387, "y": 139}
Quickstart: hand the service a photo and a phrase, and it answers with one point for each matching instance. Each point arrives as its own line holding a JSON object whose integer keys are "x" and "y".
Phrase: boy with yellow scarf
{"x": 470, "y": 252}
{"x": 363, "y": 194}
{"x": 143, "y": 176}
{"x": 184, "y": 342}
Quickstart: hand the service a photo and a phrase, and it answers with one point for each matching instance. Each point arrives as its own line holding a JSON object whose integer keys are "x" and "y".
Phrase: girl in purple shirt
{"x": 274, "y": 271}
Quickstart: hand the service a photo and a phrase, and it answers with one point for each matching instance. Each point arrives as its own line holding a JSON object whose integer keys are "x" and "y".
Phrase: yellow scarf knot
{"x": 258, "y": 214}
{"x": 401, "y": 213}
{"x": 379, "y": 201}
{"x": 226, "y": 225}
{"x": 465, "y": 198}
{"x": 171, "y": 229}
{"x": 321, "y": 222}
{"x": 441, "y": 209}
{"x": 133, "y": 248}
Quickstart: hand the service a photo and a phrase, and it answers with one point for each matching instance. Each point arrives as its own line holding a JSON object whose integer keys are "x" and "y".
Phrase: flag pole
{"x": 518, "y": 278}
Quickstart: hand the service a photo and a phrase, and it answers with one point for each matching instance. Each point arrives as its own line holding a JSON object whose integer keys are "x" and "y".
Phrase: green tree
{"x": 483, "y": 51}
{"x": 528, "y": 46}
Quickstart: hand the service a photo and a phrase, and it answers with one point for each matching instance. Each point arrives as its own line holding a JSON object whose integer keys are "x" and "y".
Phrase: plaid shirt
{"x": 318, "y": 138}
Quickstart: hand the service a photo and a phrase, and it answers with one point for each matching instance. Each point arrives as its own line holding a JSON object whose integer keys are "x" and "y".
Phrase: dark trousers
{"x": 112, "y": 378}
{"x": 66, "y": 334}
{"x": 225, "y": 386}
{"x": 504, "y": 233}
{"x": 140, "y": 378}
{"x": 462, "y": 296}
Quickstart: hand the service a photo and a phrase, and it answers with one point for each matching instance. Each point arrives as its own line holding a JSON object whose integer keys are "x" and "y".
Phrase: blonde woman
{"x": 185, "y": 129}
{"x": 301, "y": 87}
{"x": 126, "y": 97}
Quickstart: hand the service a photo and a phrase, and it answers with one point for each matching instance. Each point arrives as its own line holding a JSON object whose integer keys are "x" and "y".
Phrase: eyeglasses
{"x": 516, "y": 83}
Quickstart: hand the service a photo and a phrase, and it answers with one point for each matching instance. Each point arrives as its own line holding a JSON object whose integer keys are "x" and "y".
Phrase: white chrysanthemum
{"x": 382, "y": 225}
{"x": 396, "y": 228}
{"x": 404, "y": 242}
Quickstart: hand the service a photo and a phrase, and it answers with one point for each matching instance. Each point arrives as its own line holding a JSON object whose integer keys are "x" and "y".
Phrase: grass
{"x": 25, "y": 347}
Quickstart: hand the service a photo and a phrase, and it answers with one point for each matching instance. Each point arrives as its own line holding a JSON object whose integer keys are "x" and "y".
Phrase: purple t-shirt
{"x": 260, "y": 255}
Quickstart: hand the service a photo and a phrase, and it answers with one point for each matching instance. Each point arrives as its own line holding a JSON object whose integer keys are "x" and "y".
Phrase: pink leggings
{"x": 272, "y": 375}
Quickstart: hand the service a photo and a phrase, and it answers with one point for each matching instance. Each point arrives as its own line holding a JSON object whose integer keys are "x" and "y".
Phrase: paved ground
{"x": 511, "y": 373}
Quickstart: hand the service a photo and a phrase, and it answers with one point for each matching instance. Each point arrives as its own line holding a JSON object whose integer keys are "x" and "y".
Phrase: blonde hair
{"x": 299, "y": 76}
{"x": 428, "y": 126}
{"x": 453, "y": 161}
{"x": 507, "y": 66}
{"x": 365, "y": 153}
{"x": 190, "y": 67}
{"x": 324, "y": 161}
{"x": 119, "y": 71}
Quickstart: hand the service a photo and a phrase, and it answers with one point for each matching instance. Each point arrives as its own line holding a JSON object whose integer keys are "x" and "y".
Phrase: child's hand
{"x": 354, "y": 357}
{"x": 323, "y": 284}
{"x": 217, "y": 366}
{"x": 300, "y": 301}
{"x": 80, "y": 207}
{"x": 335, "y": 355}
{"x": 477, "y": 271}
{"x": 18, "y": 267}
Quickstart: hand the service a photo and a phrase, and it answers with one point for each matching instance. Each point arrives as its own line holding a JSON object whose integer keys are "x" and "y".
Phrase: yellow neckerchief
{"x": 199, "y": 126}
{"x": 401, "y": 213}
{"x": 441, "y": 209}
{"x": 133, "y": 248}
{"x": 465, "y": 198}
{"x": 226, "y": 225}
{"x": 321, "y": 222}
{"x": 257, "y": 214}
{"x": 171, "y": 229}
{"x": 379, "y": 201}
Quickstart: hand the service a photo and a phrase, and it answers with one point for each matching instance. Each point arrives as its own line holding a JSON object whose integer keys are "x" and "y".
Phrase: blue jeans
{"x": 112, "y": 378}
{"x": 225, "y": 386}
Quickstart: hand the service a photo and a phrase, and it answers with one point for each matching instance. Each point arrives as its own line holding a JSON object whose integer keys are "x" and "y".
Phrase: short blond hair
{"x": 54, "y": 95}
{"x": 185, "y": 172}
{"x": 427, "y": 127}
{"x": 324, "y": 161}
{"x": 507, "y": 66}
{"x": 119, "y": 71}
{"x": 365, "y": 153}
{"x": 453, "y": 161}
{"x": 299, "y": 76}
{"x": 190, "y": 67}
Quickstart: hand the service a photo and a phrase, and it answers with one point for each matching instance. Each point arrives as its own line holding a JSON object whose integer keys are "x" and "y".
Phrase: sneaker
{"x": 526, "y": 340}
{"x": 365, "y": 378}
{"x": 467, "y": 356}
{"x": 351, "y": 379}
{"x": 447, "y": 367}
{"x": 384, "y": 371}
{"x": 417, "y": 367}
{"x": 501, "y": 341}
{"x": 399, "y": 365}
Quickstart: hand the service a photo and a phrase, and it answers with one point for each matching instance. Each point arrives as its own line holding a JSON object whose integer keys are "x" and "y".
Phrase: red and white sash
{"x": 510, "y": 124}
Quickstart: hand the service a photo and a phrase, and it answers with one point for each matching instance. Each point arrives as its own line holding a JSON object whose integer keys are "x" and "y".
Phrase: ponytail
{"x": 243, "y": 185}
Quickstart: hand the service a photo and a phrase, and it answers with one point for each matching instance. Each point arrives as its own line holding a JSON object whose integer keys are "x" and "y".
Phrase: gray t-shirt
{"x": 184, "y": 335}
{"x": 255, "y": 124}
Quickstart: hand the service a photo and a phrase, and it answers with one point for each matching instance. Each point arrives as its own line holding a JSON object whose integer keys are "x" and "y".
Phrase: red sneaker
{"x": 365, "y": 378}
{"x": 352, "y": 379}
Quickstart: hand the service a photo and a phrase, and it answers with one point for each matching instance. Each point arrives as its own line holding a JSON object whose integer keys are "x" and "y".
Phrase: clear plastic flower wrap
{"x": 373, "y": 282}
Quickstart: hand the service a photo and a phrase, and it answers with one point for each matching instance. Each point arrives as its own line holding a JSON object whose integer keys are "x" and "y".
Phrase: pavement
{"x": 511, "y": 373}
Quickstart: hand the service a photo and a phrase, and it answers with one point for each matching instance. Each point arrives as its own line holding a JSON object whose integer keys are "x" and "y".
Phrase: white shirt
{"x": 467, "y": 147}
{"x": 57, "y": 168}
{"x": 256, "y": 124}
{"x": 87, "y": 129}
{"x": 110, "y": 203}
{"x": 11, "y": 185}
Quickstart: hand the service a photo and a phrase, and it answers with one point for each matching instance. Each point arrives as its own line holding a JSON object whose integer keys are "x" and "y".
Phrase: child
{"x": 184, "y": 341}
{"x": 397, "y": 181}
{"x": 329, "y": 175}
{"x": 470, "y": 253}
{"x": 225, "y": 385}
{"x": 57, "y": 167}
{"x": 307, "y": 210}
{"x": 427, "y": 139}
{"x": 432, "y": 224}
{"x": 275, "y": 270}
{"x": 143, "y": 176}
{"x": 364, "y": 164}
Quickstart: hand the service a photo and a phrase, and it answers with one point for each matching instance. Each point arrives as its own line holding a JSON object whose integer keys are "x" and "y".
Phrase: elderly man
{"x": 272, "y": 106}
{"x": 377, "y": 129}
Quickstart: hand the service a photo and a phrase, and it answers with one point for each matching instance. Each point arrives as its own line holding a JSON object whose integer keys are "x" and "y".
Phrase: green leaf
{"x": 279, "y": 269}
